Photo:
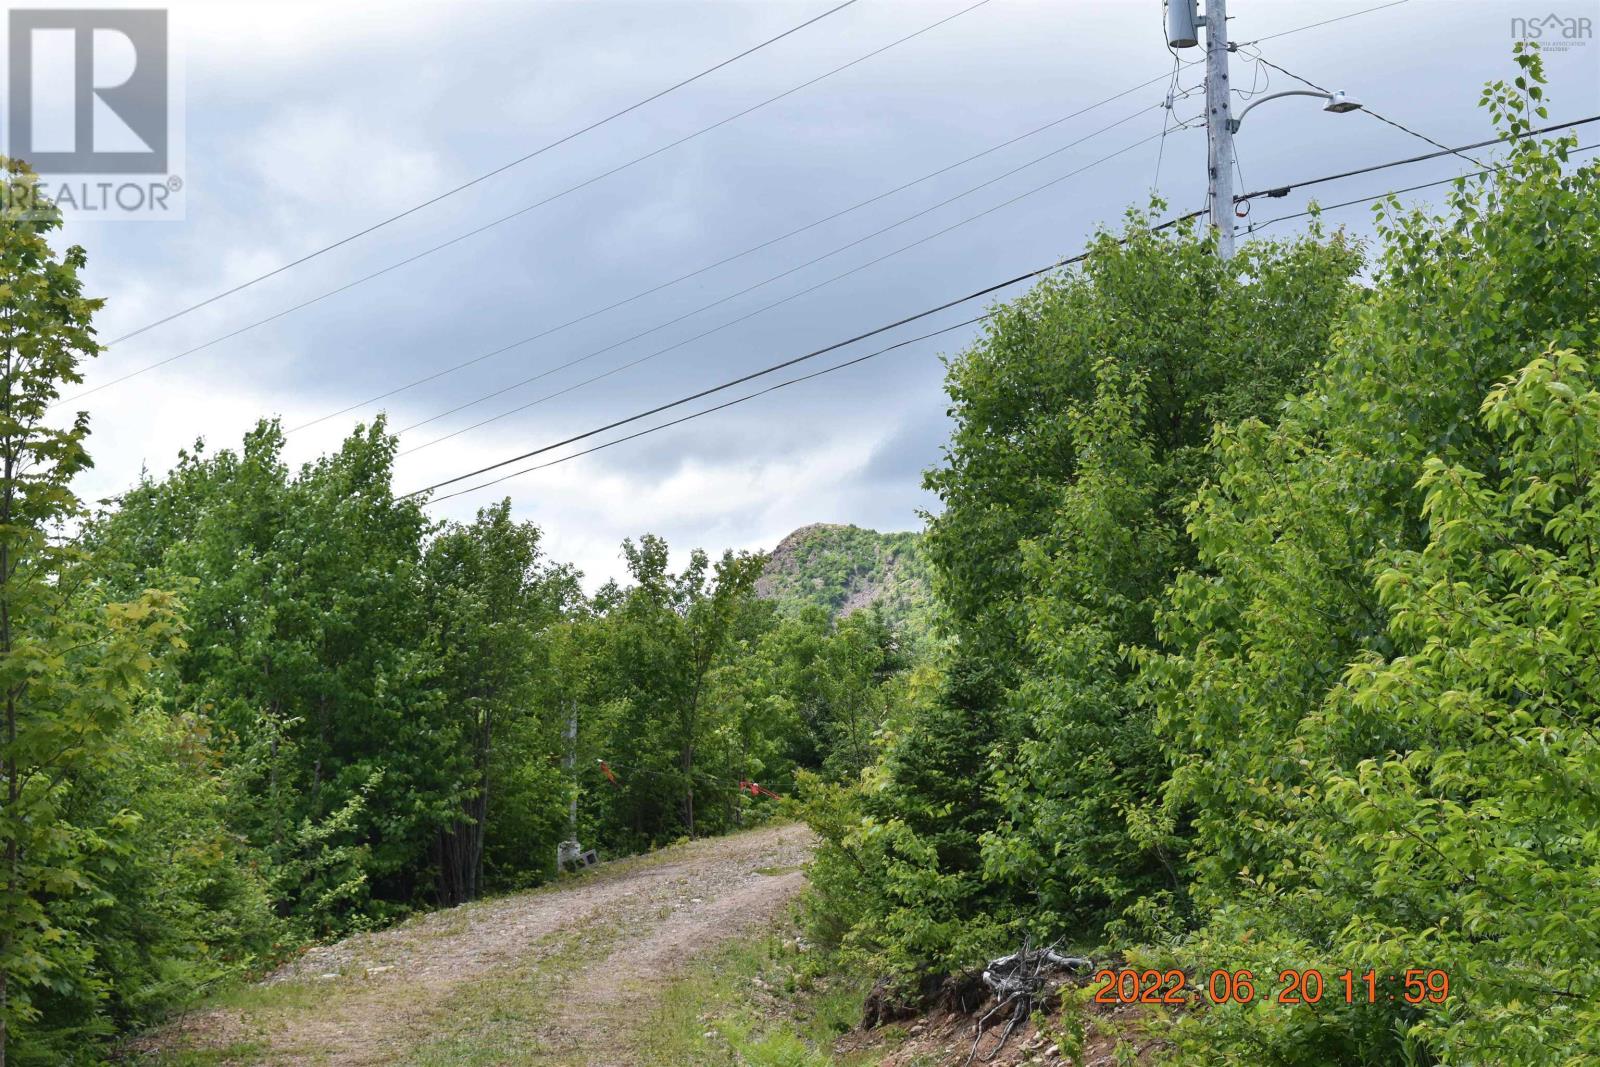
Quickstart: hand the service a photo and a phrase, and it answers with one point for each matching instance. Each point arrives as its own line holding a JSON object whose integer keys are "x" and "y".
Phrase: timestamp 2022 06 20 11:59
{"x": 1292, "y": 986}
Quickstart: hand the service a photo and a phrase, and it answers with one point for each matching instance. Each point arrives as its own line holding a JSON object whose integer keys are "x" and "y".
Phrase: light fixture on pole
{"x": 1337, "y": 103}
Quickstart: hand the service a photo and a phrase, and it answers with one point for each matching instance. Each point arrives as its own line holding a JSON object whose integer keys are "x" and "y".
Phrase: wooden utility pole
{"x": 1219, "y": 126}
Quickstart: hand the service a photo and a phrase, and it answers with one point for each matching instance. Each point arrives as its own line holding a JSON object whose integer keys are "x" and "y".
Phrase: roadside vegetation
{"x": 1274, "y": 606}
{"x": 755, "y": 1004}
{"x": 249, "y": 707}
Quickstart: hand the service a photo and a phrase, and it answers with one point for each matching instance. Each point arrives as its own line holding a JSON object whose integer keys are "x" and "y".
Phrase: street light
{"x": 1183, "y": 22}
{"x": 1338, "y": 102}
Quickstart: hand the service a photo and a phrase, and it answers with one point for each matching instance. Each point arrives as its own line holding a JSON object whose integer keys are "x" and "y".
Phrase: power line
{"x": 1260, "y": 81}
{"x": 968, "y": 322}
{"x": 795, "y": 269}
{"x": 761, "y": 310}
{"x": 480, "y": 178}
{"x": 515, "y": 214}
{"x": 978, "y": 294}
{"x": 1166, "y": 121}
{"x": 1394, "y": 192}
{"x": 1283, "y": 190}
{"x": 745, "y": 378}
{"x": 838, "y": 366}
{"x": 707, "y": 411}
{"x": 1327, "y": 22}
{"x": 726, "y": 259}
{"x": 841, "y": 344}
{"x": 404, "y": 262}
{"x": 1279, "y": 191}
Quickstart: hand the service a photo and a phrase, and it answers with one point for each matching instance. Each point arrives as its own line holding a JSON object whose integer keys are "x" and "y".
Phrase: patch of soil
{"x": 944, "y": 1037}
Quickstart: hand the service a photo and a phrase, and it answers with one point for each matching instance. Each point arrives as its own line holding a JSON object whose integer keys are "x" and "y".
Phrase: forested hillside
{"x": 846, "y": 569}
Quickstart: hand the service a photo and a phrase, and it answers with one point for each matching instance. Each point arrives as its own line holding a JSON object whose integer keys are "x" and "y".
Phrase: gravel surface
{"x": 590, "y": 952}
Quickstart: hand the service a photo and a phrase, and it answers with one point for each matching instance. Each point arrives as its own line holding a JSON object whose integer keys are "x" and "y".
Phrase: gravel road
{"x": 554, "y": 976}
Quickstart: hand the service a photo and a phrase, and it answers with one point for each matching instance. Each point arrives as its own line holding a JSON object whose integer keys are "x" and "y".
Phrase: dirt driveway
{"x": 555, "y": 976}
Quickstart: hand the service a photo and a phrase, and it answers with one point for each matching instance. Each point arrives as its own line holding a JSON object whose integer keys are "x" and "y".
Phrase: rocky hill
{"x": 847, "y": 568}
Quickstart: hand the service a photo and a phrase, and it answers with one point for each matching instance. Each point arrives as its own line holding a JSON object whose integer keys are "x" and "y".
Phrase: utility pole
{"x": 572, "y": 768}
{"x": 1219, "y": 126}
{"x": 570, "y": 853}
{"x": 1183, "y": 22}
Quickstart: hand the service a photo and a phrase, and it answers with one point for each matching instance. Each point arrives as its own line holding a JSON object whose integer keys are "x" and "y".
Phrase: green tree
{"x": 805, "y": 691}
{"x": 315, "y": 662}
{"x": 1140, "y": 298}
{"x": 493, "y": 598}
{"x": 682, "y": 623}
{"x": 899, "y": 880}
{"x": 178, "y": 905}
{"x": 1082, "y": 418}
{"x": 1282, "y": 599}
{"x": 71, "y": 661}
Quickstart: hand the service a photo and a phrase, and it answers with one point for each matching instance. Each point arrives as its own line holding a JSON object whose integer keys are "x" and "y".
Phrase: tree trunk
{"x": 687, "y": 761}
{"x": 480, "y": 803}
{"x": 458, "y": 849}
{"x": 451, "y": 852}
{"x": 691, "y": 721}
{"x": 13, "y": 795}
{"x": 13, "y": 787}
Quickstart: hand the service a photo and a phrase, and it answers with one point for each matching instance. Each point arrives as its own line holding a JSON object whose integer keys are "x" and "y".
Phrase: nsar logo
{"x": 1555, "y": 33}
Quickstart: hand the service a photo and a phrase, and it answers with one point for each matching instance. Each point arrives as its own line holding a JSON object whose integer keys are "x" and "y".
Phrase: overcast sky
{"x": 307, "y": 122}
